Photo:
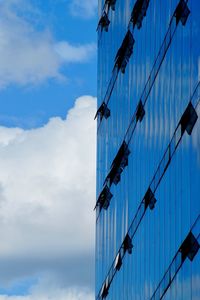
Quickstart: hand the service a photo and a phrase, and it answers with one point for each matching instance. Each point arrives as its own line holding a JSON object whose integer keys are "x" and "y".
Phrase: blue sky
{"x": 27, "y": 103}
{"x": 47, "y": 145}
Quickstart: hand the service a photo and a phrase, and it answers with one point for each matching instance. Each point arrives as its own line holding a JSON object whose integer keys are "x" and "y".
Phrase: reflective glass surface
{"x": 164, "y": 70}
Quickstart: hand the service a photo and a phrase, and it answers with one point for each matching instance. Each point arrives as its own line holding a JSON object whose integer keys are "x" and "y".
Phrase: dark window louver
{"x": 149, "y": 199}
{"x": 119, "y": 163}
{"x": 140, "y": 112}
{"x": 139, "y": 12}
{"x": 189, "y": 247}
{"x": 104, "y": 22}
{"x": 182, "y": 12}
{"x": 103, "y": 111}
{"x": 104, "y": 198}
{"x": 118, "y": 262}
{"x": 188, "y": 119}
{"x": 125, "y": 51}
{"x": 127, "y": 244}
{"x": 105, "y": 289}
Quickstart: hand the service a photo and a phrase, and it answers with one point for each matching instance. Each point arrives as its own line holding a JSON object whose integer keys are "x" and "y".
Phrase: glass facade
{"x": 148, "y": 152}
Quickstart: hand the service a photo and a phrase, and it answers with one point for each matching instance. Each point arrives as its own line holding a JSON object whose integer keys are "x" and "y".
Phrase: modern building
{"x": 148, "y": 156}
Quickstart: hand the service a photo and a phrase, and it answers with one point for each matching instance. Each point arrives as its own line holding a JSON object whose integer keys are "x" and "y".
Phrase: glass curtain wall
{"x": 162, "y": 70}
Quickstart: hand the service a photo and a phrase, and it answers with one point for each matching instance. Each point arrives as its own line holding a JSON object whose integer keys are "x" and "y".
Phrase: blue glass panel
{"x": 166, "y": 95}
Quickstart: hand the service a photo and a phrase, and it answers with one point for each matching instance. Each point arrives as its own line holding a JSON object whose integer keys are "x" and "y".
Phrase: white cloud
{"x": 76, "y": 54}
{"x": 47, "y": 290}
{"x": 47, "y": 195}
{"x": 60, "y": 295}
{"x": 8, "y": 135}
{"x": 29, "y": 56}
{"x": 85, "y": 9}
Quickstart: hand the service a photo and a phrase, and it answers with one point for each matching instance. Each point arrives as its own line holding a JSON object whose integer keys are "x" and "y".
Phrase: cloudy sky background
{"x": 47, "y": 149}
